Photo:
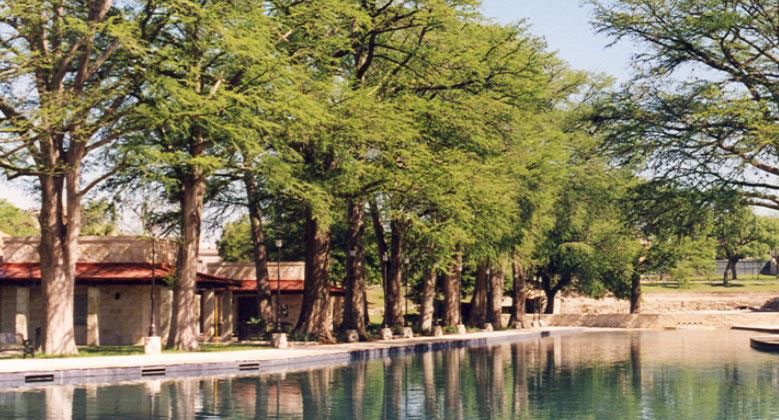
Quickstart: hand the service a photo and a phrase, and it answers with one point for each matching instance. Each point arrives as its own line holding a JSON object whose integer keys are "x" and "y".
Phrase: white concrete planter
{"x": 279, "y": 341}
{"x": 438, "y": 331}
{"x": 152, "y": 345}
{"x": 487, "y": 327}
{"x": 408, "y": 332}
{"x": 386, "y": 334}
{"x": 461, "y": 329}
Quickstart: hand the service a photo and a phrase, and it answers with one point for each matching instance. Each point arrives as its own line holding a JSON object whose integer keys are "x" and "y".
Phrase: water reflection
{"x": 597, "y": 375}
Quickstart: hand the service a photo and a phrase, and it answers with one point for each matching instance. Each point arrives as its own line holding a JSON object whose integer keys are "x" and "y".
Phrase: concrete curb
{"x": 114, "y": 369}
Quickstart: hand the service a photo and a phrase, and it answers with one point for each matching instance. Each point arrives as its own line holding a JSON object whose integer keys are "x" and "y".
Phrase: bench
{"x": 17, "y": 342}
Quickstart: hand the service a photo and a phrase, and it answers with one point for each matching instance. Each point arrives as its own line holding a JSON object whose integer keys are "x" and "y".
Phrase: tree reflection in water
{"x": 628, "y": 375}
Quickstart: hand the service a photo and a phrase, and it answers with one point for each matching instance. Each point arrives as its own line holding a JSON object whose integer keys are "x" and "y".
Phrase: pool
{"x": 593, "y": 375}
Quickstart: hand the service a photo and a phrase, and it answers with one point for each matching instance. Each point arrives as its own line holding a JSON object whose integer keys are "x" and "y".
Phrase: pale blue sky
{"x": 565, "y": 26}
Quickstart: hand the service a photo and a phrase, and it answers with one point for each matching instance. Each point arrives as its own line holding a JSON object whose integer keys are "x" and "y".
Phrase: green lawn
{"x": 93, "y": 351}
{"x": 745, "y": 285}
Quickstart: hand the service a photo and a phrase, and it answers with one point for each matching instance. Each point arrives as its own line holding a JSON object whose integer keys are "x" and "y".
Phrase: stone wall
{"x": 289, "y": 270}
{"x": 122, "y": 314}
{"x": 670, "y": 302}
{"x": 662, "y": 321}
{"x": 121, "y": 249}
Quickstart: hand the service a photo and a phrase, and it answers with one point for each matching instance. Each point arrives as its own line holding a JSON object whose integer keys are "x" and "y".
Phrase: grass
{"x": 768, "y": 284}
{"x": 98, "y": 351}
{"x": 376, "y": 301}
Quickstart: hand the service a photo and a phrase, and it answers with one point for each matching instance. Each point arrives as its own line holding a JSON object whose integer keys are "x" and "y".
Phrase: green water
{"x": 603, "y": 375}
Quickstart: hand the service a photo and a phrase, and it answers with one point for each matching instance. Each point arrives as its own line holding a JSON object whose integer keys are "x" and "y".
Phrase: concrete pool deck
{"x": 36, "y": 372}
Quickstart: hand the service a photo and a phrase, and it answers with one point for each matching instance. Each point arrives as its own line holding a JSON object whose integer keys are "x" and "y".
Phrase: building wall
{"x": 291, "y": 305}
{"x": 289, "y": 270}
{"x": 126, "y": 249}
{"x": 122, "y": 321}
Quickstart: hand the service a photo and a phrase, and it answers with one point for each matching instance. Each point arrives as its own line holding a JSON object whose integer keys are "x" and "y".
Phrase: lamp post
{"x": 279, "y": 244}
{"x": 405, "y": 294}
{"x": 152, "y": 327}
{"x": 384, "y": 259}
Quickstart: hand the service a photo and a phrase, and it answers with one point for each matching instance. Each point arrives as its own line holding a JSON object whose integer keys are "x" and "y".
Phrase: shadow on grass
{"x": 99, "y": 351}
{"x": 697, "y": 285}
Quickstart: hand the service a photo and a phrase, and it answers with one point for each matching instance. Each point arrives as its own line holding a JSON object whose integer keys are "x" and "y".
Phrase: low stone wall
{"x": 663, "y": 321}
{"x": 667, "y": 303}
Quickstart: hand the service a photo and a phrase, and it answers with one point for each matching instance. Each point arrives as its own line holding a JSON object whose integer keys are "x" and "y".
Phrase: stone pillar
{"x": 93, "y": 318}
{"x": 228, "y": 322}
{"x": 198, "y": 312}
{"x": 209, "y": 303}
{"x": 15, "y": 307}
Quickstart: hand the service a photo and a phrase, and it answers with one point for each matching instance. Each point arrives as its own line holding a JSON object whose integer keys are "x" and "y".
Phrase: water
{"x": 673, "y": 374}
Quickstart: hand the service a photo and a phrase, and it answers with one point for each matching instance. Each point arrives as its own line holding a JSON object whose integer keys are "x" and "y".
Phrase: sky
{"x": 563, "y": 23}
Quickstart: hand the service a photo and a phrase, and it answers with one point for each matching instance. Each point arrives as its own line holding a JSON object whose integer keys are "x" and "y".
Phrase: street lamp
{"x": 279, "y": 244}
{"x": 384, "y": 258}
{"x": 405, "y": 284}
{"x": 152, "y": 327}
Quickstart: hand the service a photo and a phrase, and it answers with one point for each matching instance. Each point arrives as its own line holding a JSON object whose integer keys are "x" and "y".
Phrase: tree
{"x": 208, "y": 77}
{"x": 740, "y": 234}
{"x": 669, "y": 227}
{"x": 99, "y": 218}
{"x": 16, "y": 222}
{"x": 587, "y": 249}
{"x": 716, "y": 127}
{"x": 67, "y": 87}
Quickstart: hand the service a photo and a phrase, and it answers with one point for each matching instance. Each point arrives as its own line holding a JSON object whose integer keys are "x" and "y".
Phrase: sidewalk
{"x": 18, "y": 372}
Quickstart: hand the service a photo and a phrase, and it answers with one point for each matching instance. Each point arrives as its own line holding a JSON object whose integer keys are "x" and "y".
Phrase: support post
{"x": 209, "y": 306}
{"x": 15, "y": 307}
{"x": 93, "y": 318}
{"x": 227, "y": 315}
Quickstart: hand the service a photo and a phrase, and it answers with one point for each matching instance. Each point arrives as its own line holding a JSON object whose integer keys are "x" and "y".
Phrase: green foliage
{"x": 697, "y": 259}
{"x": 235, "y": 245}
{"x": 99, "y": 218}
{"x": 741, "y": 234}
{"x": 16, "y": 222}
{"x": 714, "y": 128}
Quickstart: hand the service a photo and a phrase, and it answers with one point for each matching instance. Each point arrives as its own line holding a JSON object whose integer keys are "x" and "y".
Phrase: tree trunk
{"x": 733, "y": 265}
{"x": 550, "y": 291}
{"x": 355, "y": 292}
{"x": 259, "y": 252}
{"x": 393, "y": 315}
{"x": 426, "y": 306}
{"x": 452, "y": 283}
{"x": 635, "y": 293}
{"x": 478, "y": 312}
{"x": 519, "y": 295}
{"x": 550, "y": 295}
{"x": 58, "y": 250}
{"x": 495, "y": 297}
{"x": 314, "y": 318}
{"x": 725, "y": 274}
{"x": 183, "y": 328}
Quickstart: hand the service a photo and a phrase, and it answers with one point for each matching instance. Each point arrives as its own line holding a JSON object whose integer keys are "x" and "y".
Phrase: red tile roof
{"x": 106, "y": 272}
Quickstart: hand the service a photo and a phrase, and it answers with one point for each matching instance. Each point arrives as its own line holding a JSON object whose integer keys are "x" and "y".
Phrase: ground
{"x": 701, "y": 295}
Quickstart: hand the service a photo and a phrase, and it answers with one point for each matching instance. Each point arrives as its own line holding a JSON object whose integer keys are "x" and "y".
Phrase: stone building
{"x": 112, "y": 297}
{"x": 289, "y": 290}
{"x": 113, "y": 290}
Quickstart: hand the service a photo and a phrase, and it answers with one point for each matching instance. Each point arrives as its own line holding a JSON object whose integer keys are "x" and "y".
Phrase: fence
{"x": 748, "y": 268}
